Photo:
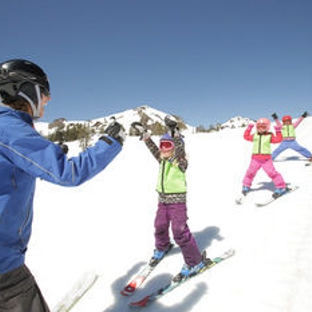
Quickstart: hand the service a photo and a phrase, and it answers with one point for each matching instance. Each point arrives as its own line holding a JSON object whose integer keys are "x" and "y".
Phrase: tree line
{"x": 84, "y": 131}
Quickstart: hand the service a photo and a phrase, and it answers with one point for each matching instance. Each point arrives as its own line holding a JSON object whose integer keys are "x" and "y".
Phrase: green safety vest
{"x": 261, "y": 144}
{"x": 288, "y": 131}
{"x": 171, "y": 180}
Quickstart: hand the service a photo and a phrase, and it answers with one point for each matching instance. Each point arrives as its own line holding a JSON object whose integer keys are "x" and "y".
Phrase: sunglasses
{"x": 166, "y": 145}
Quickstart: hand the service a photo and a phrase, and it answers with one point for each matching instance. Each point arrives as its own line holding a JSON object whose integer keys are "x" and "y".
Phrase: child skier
{"x": 289, "y": 136}
{"x": 261, "y": 155}
{"x": 172, "y": 200}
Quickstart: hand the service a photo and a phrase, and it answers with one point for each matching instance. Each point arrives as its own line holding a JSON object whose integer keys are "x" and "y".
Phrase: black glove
{"x": 115, "y": 130}
{"x": 141, "y": 130}
{"x": 170, "y": 122}
{"x": 172, "y": 126}
{"x": 274, "y": 116}
{"x": 64, "y": 147}
{"x": 305, "y": 114}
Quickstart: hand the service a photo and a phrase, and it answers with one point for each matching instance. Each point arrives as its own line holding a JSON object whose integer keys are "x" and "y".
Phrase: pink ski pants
{"x": 269, "y": 169}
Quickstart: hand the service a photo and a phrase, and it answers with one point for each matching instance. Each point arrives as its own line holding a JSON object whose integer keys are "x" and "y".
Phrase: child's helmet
{"x": 22, "y": 78}
{"x": 263, "y": 123}
{"x": 166, "y": 143}
{"x": 287, "y": 118}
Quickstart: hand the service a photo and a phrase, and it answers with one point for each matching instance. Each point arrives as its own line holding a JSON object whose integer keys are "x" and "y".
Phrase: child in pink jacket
{"x": 261, "y": 155}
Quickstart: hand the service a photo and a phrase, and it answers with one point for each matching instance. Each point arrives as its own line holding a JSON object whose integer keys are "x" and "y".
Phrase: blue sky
{"x": 205, "y": 61}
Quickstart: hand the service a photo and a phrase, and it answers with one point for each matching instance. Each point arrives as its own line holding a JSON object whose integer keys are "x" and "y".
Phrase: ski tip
{"x": 139, "y": 304}
{"x": 229, "y": 253}
{"x": 129, "y": 289}
{"x": 295, "y": 187}
{"x": 240, "y": 199}
{"x": 124, "y": 293}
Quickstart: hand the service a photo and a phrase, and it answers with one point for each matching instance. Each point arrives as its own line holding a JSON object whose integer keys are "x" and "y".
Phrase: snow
{"x": 106, "y": 226}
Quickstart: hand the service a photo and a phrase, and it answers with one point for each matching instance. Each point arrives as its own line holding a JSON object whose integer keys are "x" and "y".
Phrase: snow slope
{"x": 106, "y": 226}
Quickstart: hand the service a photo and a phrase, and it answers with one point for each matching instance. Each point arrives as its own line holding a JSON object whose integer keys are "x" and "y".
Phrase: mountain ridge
{"x": 147, "y": 115}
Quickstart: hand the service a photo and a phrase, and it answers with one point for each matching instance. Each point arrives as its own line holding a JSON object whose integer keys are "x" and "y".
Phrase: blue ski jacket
{"x": 24, "y": 156}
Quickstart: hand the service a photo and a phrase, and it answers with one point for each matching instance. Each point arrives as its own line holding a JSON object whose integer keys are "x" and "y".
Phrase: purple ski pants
{"x": 176, "y": 214}
{"x": 269, "y": 169}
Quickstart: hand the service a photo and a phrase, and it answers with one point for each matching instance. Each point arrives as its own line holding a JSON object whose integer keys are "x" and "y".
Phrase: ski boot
{"x": 188, "y": 271}
{"x": 279, "y": 192}
{"x": 245, "y": 190}
{"x": 159, "y": 255}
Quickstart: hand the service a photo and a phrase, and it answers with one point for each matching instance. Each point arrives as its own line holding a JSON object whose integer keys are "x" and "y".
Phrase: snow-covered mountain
{"x": 236, "y": 122}
{"x": 147, "y": 115}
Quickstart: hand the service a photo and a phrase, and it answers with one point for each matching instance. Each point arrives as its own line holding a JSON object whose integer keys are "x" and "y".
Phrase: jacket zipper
{"x": 162, "y": 176}
{"x": 259, "y": 146}
{"x": 21, "y": 228}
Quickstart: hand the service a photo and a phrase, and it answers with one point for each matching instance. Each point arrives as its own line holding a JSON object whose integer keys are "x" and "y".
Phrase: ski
{"x": 152, "y": 297}
{"x": 140, "y": 278}
{"x": 272, "y": 199}
{"x": 240, "y": 199}
{"x": 79, "y": 289}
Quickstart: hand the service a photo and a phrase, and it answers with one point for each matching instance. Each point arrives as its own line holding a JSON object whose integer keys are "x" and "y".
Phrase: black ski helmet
{"x": 25, "y": 79}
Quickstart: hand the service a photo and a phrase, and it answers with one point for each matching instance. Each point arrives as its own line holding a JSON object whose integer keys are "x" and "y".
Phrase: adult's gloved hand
{"x": 115, "y": 130}
{"x": 64, "y": 147}
{"x": 305, "y": 114}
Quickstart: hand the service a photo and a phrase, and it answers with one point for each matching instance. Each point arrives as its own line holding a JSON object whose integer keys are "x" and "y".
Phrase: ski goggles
{"x": 166, "y": 145}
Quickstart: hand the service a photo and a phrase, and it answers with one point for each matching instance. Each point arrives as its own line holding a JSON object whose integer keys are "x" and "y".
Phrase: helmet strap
{"x": 35, "y": 108}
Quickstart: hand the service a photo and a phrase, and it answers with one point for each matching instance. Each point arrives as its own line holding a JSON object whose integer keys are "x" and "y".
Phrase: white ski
{"x": 272, "y": 199}
{"x": 78, "y": 290}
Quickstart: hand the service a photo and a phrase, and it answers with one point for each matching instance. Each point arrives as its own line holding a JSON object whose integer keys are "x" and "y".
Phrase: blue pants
{"x": 176, "y": 214}
{"x": 291, "y": 144}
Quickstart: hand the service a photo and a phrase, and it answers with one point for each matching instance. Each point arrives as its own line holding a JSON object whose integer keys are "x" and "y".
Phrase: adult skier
{"x": 24, "y": 156}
